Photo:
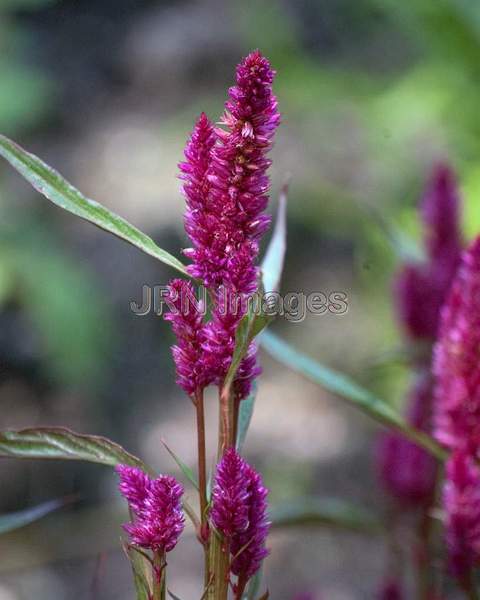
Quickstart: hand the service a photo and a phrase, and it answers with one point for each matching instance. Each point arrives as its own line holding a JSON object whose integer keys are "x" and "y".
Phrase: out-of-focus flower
{"x": 186, "y": 319}
{"x": 156, "y": 505}
{"x": 390, "y": 590}
{"x": 456, "y": 362}
{"x": 239, "y": 512}
{"x": 461, "y": 501}
{"x": 420, "y": 289}
{"x": 406, "y": 471}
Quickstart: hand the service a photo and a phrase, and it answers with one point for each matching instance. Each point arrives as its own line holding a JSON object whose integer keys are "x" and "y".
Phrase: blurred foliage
{"x": 25, "y": 91}
{"x": 66, "y": 310}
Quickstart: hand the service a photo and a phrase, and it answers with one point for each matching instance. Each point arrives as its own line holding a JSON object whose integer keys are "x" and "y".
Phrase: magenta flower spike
{"x": 248, "y": 547}
{"x": 156, "y": 505}
{"x": 440, "y": 211}
{"x": 421, "y": 289}
{"x": 406, "y": 471}
{"x": 461, "y": 502}
{"x": 226, "y": 189}
{"x": 239, "y": 512}
{"x": 230, "y": 496}
{"x": 456, "y": 364}
{"x": 186, "y": 318}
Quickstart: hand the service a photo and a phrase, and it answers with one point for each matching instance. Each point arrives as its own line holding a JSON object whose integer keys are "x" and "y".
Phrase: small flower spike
{"x": 156, "y": 505}
{"x": 239, "y": 512}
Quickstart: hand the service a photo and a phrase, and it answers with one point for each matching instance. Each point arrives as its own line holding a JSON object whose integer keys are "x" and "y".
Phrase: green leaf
{"x": 61, "y": 443}
{"x": 53, "y": 186}
{"x": 404, "y": 247}
{"x": 335, "y": 513}
{"x": 21, "y": 518}
{"x": 254, "y": 585}
{"x": 245, "y": 416}
{"x": 186, "y": 470}
{"x": 343, "y": 386}
{"x": 272, "y": 264}
{"x": 140, "y": 572}
{"x": 253, "y": 323}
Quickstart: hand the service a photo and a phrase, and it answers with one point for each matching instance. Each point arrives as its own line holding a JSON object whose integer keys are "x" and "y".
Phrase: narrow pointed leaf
{"x": 21, "y": 518}
{"x": 186, "y": 470}
{"x": 53, "y": 186}
{"x": 253, "y": 323}
{"x": 254, "y": 586}
{"x": 348, "y": 389}
{"x": 140, "y": 573}
{"x": 245, "y": 416}
{"x": 172, "y": 595}
{"x": 312, "y": 512}
{"x": 404, "y": 247}
{"x": 61, "y": 443}
{"x": 272, "y": 264}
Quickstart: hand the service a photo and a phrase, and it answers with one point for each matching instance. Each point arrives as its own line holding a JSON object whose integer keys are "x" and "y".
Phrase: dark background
{"x": 373, "y": 93}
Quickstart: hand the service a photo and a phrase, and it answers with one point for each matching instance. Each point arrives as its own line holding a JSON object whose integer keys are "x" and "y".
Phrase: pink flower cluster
{"x": 457, "y": 411}
{"x": 456, "y": 359}
{"x": 408, "y": 472}
{"x": 156, "y": 505}
{"x": 226, "y": 191}
{"x": 461, "y": 500}
{"x": 420, "y": 289}
{"x": 239, "y": 512}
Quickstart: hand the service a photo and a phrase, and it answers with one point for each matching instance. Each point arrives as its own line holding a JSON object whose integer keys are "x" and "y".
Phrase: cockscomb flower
{"x": 230, "y": 496}
{"x": 406, "y": 471}
{"x": 239, "y": 512}
{"x": 186, "y": 318}
{"x": 461, "y": 502}
{"x": 456, "y": 364}
{"x": 225, "y": 180}
{"x": 226, "y": 189}
{"x": 248, "y": 547}
{"x": 420, "y": 289}
{"x": 156, "y": 505}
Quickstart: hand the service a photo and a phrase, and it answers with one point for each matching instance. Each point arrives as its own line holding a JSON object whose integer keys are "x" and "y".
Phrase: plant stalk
{"x": 202, "y": 478}
{"x": 226, "y": 421}
{"x": 220, "y": 566}
{"x": 159, "y": 576}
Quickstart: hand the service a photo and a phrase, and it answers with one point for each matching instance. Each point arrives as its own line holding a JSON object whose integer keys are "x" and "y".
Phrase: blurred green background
{"x": 373, "y": 93}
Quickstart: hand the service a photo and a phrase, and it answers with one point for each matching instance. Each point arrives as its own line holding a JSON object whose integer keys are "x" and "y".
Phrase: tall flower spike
{"x": 237, "y": 198}
{"x": 239, "y": 512}
{"x": 455, "y": 363}
{"x": 461, "y": 501}
{"x": 156, "y": 505}
{"x": 186, "y": 318}
{"x": 407, "y": 471}
{"x": 420, "y": 289}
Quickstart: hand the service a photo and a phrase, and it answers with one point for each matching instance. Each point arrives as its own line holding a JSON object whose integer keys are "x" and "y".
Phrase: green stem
{"x": 159, "y": 576}
{"x": 220, "y": 565}
{"x": 202, "y": 479}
